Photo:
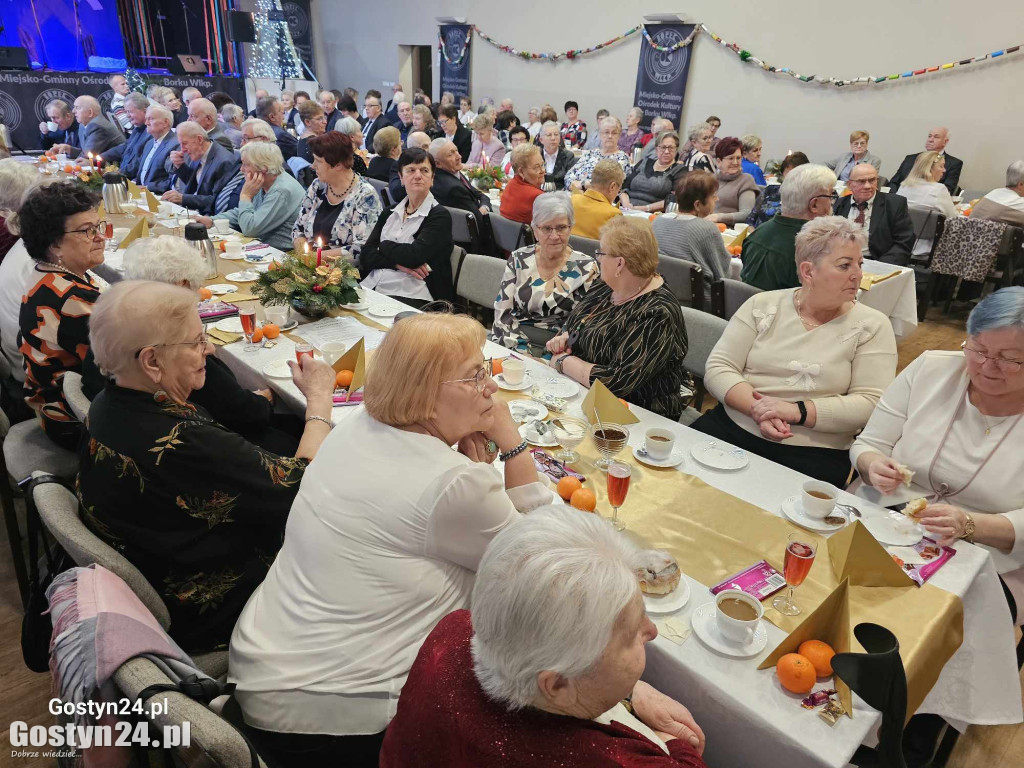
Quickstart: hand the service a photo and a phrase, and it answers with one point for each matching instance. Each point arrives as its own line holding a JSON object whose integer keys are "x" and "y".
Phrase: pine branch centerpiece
{"x": 486, "y": 177}
{"x": 313, "y": 290}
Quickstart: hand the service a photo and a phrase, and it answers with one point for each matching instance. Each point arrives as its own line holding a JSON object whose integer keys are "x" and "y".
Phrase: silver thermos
{"x": 196, "y": 236}
{"x": 115, "y": 191}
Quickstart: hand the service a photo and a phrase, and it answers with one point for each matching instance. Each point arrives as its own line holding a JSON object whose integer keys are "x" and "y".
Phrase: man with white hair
{"x": 97, "y": 134}
{"x": 506, "y": 105}
{"x": 1005, "y": 204}
{"x": 203, "y": 112}
{"x": 153, "y": 172}
{"x": 418, "y": 140}
{"x": 129, "y": 155}
{"x": 190, "y": 94}
{"x": 203, "y": 166}
{"x": 231, "y": 117}
{"x": 451, "y": 187}
{"x": 328, "y": 103}
{"x": 397, "y": 97}
{"x": 119, "y": 85}
{"x": 937, "y": 140}
{"x": 769, "y": 255}
{"x": 885, "y": 217}
{"x": 404, "y": 121}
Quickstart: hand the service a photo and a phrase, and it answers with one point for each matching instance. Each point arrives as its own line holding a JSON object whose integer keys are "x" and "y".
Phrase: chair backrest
{"x": 296, "y": 164}
{"x": 684, "y": 278}
{"x": 480, "y": 279}
{"x": 924, "y": 221}
{"x": 464, "y": 228}
{"x": 457, "y": 257}
{"x": 382, "y": 190}
{"x": 71, "y": 383}
{"x": 58, "y": 509}
{"x": 584, "y": 244}
{"x": 728, "y": 295}
{"x": 703, "y": 330}
{"x": 508, "y": 235}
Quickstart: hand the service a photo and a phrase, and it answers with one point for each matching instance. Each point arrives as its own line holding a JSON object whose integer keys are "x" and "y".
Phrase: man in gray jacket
{"x": 96, "y": 135}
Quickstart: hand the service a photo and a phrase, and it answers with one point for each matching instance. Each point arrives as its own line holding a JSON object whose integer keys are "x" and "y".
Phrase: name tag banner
{"x": 454, "y": 43}
{"x": 661, "y": 75}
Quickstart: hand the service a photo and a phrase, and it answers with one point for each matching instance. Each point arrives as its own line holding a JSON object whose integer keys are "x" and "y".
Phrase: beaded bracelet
{"x": 513, "y": 453}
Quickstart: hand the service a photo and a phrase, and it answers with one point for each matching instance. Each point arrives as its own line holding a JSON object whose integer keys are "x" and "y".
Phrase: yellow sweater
{"x": 591, "y": 210}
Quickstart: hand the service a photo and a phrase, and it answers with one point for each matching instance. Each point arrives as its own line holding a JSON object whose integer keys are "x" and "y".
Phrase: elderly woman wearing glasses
{"x": 953, "y": 424}
{"x": 652, "y": 180}
{"x": 392, "y": 512}
{"x": 577, "y": 178}
{"x": 846, "y": 162}
{"x": 214, "y": 504}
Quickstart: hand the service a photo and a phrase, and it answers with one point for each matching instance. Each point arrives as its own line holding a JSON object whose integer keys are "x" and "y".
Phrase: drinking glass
{"x": 610, "y": 440}
{"x": 248, "y": 317}
{"x": 128, "y": 205}
{"x": 302, "y": 350}
{"x": 619, "y": 474}
{"x": 800, "y": 551}
{"x": 569, "y": 432}
{"x": 182, "y": 218}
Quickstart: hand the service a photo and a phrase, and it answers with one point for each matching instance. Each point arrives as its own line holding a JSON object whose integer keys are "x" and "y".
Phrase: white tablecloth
{"x": 748, "y": 718}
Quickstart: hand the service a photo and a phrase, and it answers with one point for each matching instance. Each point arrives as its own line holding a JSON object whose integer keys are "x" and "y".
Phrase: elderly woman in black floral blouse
{"x": 195, "y": 507}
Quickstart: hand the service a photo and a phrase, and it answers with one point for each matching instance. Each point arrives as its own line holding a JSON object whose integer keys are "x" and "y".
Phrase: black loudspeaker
{"x": 14, "y": 58}
{"x": 240, "y": 27}
{"x": 186, "y": 64}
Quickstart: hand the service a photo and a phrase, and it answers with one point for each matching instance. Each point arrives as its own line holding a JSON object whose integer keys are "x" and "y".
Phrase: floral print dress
{"x": 356, "y": 220}
{"x": 195, "y": 507}
{"x": 584, "y": 167}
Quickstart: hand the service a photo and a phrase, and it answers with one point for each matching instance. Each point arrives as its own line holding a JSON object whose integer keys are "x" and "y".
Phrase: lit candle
{"x": 484, "y": 156}
{"x": 90, "y": 161}
{"x": 305, "y": 252}
{"x": 99, "y": 162}
{"x": 319, "y": 250}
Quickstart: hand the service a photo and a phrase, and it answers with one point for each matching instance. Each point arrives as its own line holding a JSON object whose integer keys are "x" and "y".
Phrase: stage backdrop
{"x": 24, "y": 96}
{"x": 301, "y": 26}
{"x": 48, "y": 30}
{"x": 661, "y": 75}
{"x": 455, "y": 41}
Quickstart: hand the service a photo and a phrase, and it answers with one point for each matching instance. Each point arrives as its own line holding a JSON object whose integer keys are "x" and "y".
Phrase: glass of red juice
{"x": 247, "y": 316}
{"x": 800, "y": 551}
{"x": 619, "y": 474}
{"x": 303, "y": 350}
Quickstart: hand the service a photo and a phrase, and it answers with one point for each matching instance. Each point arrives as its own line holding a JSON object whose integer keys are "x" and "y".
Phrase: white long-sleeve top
{"x": 842, "y": 366}
{"x": 382, "y": 541}
{"x": 908, "y": 425}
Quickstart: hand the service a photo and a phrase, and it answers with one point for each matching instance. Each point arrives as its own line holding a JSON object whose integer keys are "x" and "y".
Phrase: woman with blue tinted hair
{"x": 956, "y": 421}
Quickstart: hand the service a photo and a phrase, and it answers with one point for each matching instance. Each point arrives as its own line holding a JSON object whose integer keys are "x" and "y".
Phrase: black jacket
{"x": 380, "y": 168}
{"x": 463, "y": 140}
{"x": 395, "y": 187}
{"x": 890, "y": 231}
{"x": 563, "y": 163}
{"x": 432, "y": 244}
{"x": 450, "y": 191}
{"x": 375, "y": 125}
{"x": 951, "y": 178}
{"x": 285, "y": 142}
{"x": 129, "y": 156}
{"x": 68, "y": 136}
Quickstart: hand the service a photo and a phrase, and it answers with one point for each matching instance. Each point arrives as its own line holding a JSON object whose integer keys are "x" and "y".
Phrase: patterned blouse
{"x": 699, "y": 161}
{"x": 356, "y": 220}
{"x": 54, "y": 322}
{"x": 526, "y": 298}
{"x": 575, "y": 133}
{"x": 637, "y": 348}
{"x": 584, "y": 167}
{"x": 195, "y": 507}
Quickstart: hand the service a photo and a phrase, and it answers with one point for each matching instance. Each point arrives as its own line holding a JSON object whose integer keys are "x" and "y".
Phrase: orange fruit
{"x": 584, "y": 499}
{"x": 796, "y": 673}
{"x": 496, "y": 366}
{"x": 343, "y": 379}
{"x": 205, "y": 293}
{"x": 624, "y": 402}
{"x": 567, "y": 486}
{"x": 257, "y": 336}
{"x": 819, "y": 654}
{"x": 722, "y": 227}
{"x": 271, "y": 331}
{"x": 222, "y": 245}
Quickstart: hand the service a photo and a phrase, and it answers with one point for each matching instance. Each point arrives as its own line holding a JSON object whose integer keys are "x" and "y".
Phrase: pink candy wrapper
{"x": 759, "y": 580}
{"x": 927, "y": 550}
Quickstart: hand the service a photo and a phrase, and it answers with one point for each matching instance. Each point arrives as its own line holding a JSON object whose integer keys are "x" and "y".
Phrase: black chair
{"x": 928, "y": 225}
{"x": 465, "y": 231}
{"x": 508, "y": 235}
{"x": 584, "y": 245}
{"x": 382, "y": 190}
{"x": 684, "y": 278}
{"x": 728, "y": 295}
{"x": 878, "y": 677}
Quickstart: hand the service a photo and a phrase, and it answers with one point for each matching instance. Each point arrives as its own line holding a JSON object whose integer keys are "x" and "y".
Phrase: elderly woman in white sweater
{"x": 798, "y": 372}
{"x": 956, "y": 420}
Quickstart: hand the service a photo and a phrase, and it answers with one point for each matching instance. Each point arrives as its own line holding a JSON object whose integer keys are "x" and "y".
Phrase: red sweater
{"x": 517, "y": 200}
{"x": 445, "y": 720}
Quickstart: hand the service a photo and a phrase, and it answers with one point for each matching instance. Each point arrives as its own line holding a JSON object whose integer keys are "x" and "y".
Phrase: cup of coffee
{"x": 223, "y": 226}
{"x": 232, "y": 249}
{"x": 818, "y": 498}
{"x": 51, "y": 126}
{"x": 332, "y": 351}
{"x": 659, "y": 443}
{"x": 737, "y": 615}
{"x": 513, "y": 372}
{"x": 276, "y": 315}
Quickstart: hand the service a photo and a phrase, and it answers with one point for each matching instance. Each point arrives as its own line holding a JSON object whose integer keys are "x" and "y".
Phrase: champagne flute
{"x": 619, "y": 474}
{"x": 248, "y": 317}
{"x": 128, "y": 205}
{"x": 800, "y": 551}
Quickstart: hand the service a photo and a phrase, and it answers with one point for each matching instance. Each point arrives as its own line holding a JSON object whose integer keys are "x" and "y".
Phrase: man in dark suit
{"x": 203, "y": 166}
{"x": 937, "y": 140}
{"x": 129, "y": 155}
{"x": 270, "y": 111}
{"x": 203, "y": 112}
{"x": 153, "y": 172}
{"x": 455, "y": 131}
{"x": 451, "y": 187}
{"x": 890, "y": 230}
{"x": 557, "y": 159}
{"x": 67, "y": 127}
{"x": 329, "y": 104}
{"x": 374, "y": 120}
{"x": 97, "y": 133}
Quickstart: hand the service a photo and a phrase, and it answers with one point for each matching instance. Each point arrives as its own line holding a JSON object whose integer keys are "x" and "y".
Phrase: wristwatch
{"x": 560, "y": 361}
{"x": 968, "y": 534}
{"x": 803, "y": 412}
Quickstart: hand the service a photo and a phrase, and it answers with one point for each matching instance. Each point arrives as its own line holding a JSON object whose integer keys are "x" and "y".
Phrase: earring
{"x": 160, "y": 396}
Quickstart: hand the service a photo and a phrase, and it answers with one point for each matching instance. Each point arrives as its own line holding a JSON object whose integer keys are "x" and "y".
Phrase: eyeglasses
{"x": 833, "y": 196}
{"x": 478, "y": 380}
{"x": 1006, "y": 366}
{"x": 203, "y": 340}
{"x": 598, "y": 254}
{"x": 561, "y": 229}
{"x": 93, "y": 230}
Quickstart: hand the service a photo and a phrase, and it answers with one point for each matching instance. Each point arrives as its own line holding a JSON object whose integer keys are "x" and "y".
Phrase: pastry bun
{"x": 657, "y": 572}
{"x": 915, "y": 507}
{"x": 908, "y": 474}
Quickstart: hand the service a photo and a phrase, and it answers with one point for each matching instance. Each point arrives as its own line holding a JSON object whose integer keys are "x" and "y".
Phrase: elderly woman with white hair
{"x": 798, "y": 372}
{"x": 542, "y": 282}
{"x": 269, "y": 200}
{"x": 214, "y": 504}
{"x": 487, "y": 148}
{"x": 699, "y": 158}
{"x": 351, "y": 127}
{"x": 634, "y": 135}
{"x": 1005, "y": 203}
{"x": 553, "y": 643}
{"x": 577, "y": 178}
{"x": 393, "y": 513}
{"x": 519, "y": 195}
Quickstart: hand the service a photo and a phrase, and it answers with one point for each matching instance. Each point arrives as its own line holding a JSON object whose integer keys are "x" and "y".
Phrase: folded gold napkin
{"x": 154, "y": 204}
{"x": 867, "y": 280}
{"x": 141, "y": 229}
{"x": 220, "y": 337}
{"x": 354, "y": 360}
{"x": 856, "y": 555}
{"x": 601, "y": 402}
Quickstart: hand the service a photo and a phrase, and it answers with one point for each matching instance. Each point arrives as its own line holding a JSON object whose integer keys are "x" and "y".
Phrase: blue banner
{"x": 454, "y": 42}
{"x": 661, "y": 75}
{"x": 67, "y": 35}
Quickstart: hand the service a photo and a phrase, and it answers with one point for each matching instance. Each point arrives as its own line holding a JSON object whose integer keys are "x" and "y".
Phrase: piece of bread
{"x": 908, "y": 474}
{"x": 657, "y": 572}
{"x": 915, "y": 507}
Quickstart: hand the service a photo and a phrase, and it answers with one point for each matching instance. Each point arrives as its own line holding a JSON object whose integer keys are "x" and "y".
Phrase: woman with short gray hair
{"x": 751, "y": 146}
{"x": 950, "y": 428}
{"x": 487, "y": 147}
{"x": 577, "y": 178}
{"x": 698, "y": 158}
{"x": 542, "y": 282}
{"x": 553, "y": 642}
{"x": 839, "y": 356}
{"x": 16, "y": 179}
{"x": 360, "y": 157}
{"x": 634, "y": 133}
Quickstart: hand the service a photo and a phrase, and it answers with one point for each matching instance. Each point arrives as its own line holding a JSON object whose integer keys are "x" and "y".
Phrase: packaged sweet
{"x": 831, "y": 712}
{"x": 760, "y": 580}
{"x": 817, "y": 698}
{"x": 921, "y": 560}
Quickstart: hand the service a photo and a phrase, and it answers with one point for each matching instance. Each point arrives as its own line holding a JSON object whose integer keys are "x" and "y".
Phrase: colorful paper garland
{"x": 571, "y": 54}
{"x": 444, "y": 50}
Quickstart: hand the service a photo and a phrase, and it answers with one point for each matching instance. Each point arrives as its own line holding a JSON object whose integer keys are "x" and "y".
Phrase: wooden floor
{"x": 25, "y": 694}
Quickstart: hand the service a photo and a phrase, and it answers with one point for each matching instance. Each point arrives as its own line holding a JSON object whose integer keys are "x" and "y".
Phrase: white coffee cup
{"x": 165, "y": 209}
{"x": 62, "y": 158}
{"x": 120, "y": 233}
{"x": 51, "y": 126}
{"x": 737, "y": 631}
{"x": 223, "y": 226}
{"x": 817, "y": 506}
{"x": 659, "y": 442}
{"x": 513, "y": 372}
{"x": 276, "y": 315}
{"x": 332, "y": 351}
{"x": 232, "y": 249}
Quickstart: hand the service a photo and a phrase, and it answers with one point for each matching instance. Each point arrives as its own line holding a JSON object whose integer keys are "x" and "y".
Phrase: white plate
{"x": 671, "y": 602}
{"x": 359, "y": 306}
{"x": 277, "y": 370}
{"x": 794, "y": 510}
{"x": 229, "y": 325}
{"x": 706, "y": 629}
{"x": 388, "y": 310}
{"x": 290, "y": 326}
{"x": 674, "y": 460}
{"x": 527, "y": 410}
{"x": 219, "y": 289}
{"x": 228, "y": 257}
{"x": 530, "y": 435}
{"x": 720, "y": 457}
{"x": 526, "y": 383}
{"x": 248, "y": 276}
{"x": 891, "y": 527}
{"x": 559, "y": 387}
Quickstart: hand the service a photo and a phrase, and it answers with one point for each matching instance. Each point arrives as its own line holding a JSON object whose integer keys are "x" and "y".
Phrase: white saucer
{"x": 219, "y": 289}
{"x": 526, "y": 383}
{"x": 530, "y": 435}
{"x": 247, "y": 276}
{"x": 674, "y": 460}
{"x": 229, "y": 325}
{"x": 227, "y": 257}
{"x": 720, "y": 457}
{"x": 388, "y": 310}
{"x": 706, "y": 629}
{"x": 277, "y": 370}
{"x": 671, "y": 602}
{"x": 559, "y": 387}
{"x": 794, "y": 510}
{"x": 359, "y": 306}
{"x": 527, "y": 410}
{"x": 890, "y": 527}
{"x": 290, "y": 326}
